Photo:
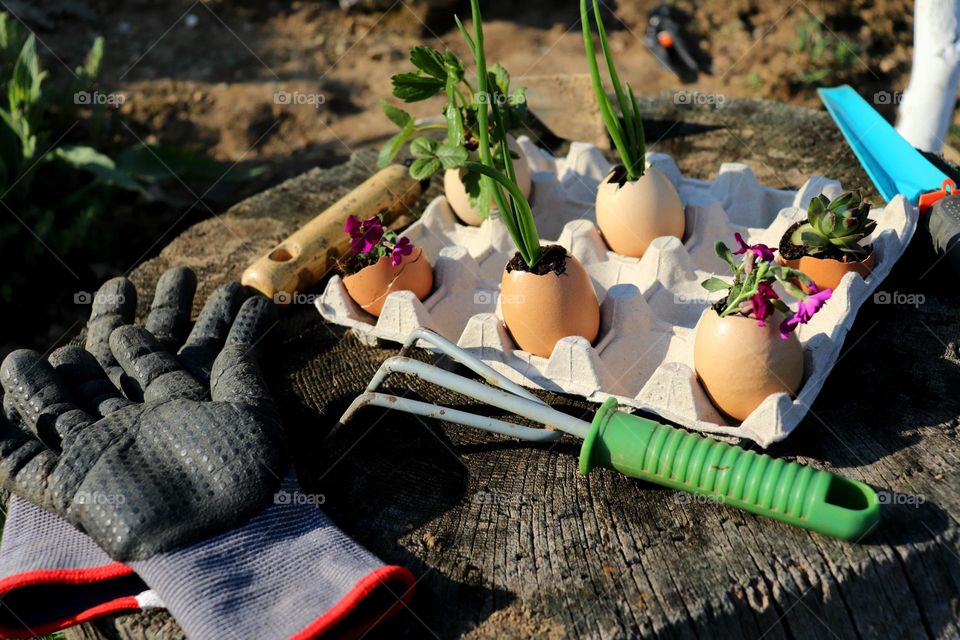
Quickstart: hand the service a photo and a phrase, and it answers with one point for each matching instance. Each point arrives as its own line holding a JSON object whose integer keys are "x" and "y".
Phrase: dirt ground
{"x": 284, "y": 86}
{"x": 206, "y": 74}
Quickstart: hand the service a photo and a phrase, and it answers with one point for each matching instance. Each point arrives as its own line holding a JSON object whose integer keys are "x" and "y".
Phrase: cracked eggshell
{"x": 370, "y": 286}
{"x": 456, "y": 193}
{"x": 740, "y": 363}
{"x": 827, "y": 272}
{"x": 539, "y": 310}
{"x": 632, "y": 216}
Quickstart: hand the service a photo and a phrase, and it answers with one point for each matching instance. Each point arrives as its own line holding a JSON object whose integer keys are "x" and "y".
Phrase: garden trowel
{"x": 639, "y": 448}
{"x": 896, "y": 167}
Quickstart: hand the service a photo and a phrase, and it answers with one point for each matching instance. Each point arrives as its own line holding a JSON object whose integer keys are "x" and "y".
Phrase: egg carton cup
{"x": 650, "y": 306}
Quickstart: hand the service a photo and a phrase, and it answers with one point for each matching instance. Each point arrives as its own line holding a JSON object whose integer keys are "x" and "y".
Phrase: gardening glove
{"x": 53, "y": 577}
{"x": 182, "y": 487}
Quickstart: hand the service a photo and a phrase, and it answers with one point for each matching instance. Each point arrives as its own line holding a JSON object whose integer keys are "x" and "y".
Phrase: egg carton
{"x": 650, "y": 306}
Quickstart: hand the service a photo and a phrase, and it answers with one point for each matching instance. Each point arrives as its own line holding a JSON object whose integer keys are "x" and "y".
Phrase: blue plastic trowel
{"x": 896, "y": 167}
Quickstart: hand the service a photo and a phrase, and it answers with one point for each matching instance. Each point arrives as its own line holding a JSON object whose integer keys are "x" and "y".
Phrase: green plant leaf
{"x": 725, "y": 254}
{"x": 423, "y": 168}
{"x": 501, "y": 78}
{"x": 455, "y": 130}
{"x": 428, "y": 60}
{"x": 715, "y": 284}
{"x": 478, "y": 196}
{"x": 397, "y": 115}
{"x": 88, "y": 72}
{"x": 392, "y": 147}
{"x": 423, "y": 147}
{"x": 451, "y": 156}
{"x": 98, "y": 164}
{"x": 413, "y": 87}
{"x": 454, "y": 66}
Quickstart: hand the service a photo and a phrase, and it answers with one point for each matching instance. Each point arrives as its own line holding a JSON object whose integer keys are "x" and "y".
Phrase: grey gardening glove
{"x": 182, "y": 487}
{"x": 52, "y": 576}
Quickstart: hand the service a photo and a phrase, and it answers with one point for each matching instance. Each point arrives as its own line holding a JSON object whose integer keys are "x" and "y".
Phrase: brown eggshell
{"x": 457, "y": 194}
{"x": 370, "y": 286}
{"x": 632, "y": 216}
{"x": 540, "y": 310}
{"x": 740, "y": 363}
{"x": 826, "y": 272}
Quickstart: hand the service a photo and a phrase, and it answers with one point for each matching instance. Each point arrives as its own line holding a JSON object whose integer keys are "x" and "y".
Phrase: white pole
{"x": 926, "y": 108}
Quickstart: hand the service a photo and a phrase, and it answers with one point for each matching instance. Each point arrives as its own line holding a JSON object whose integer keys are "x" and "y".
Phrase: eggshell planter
{"x": 739, "y": 363}
{"x": 827, "y": 272}
{"x": 633, "y": 214}
{"x": 540, "y": 310}
{"x": 456, "y": 193}
{"x": 370, "y": 286}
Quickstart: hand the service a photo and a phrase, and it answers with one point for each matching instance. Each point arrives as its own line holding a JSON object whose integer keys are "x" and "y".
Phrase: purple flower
{"x": 762, "y": 251}
{"x": 762, "y": 303}
{"x": 805, "y": 310}
{"x": 403, "y": 247}
{"x": 364, "y": 235}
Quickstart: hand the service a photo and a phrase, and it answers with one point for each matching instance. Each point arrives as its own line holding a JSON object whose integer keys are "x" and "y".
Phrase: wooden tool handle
{"x": 301, "y": 260}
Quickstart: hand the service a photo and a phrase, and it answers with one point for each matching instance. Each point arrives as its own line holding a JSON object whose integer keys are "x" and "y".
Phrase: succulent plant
{"x": 838, "y": 224}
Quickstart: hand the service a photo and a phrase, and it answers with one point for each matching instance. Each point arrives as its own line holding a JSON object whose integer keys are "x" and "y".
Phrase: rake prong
{"x": 458, "y": 354}
{"x": 427, "y": 410}
{"x": 535, "y": 410}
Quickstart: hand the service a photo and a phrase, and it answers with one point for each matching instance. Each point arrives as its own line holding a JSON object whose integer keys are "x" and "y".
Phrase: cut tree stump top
{"x": 507, "y": 540}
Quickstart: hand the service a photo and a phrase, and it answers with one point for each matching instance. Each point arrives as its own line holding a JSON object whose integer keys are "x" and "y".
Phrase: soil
{"x": 553, "y": 257}
{"x": 790, "y": 251}
{"x": 355, "y": 263}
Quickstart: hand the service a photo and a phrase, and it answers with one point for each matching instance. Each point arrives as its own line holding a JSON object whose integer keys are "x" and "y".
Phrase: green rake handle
{"x": 793, "y": 493}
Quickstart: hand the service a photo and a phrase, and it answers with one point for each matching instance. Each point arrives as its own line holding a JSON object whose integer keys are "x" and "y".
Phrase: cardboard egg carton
{"x": 649, "y": 306}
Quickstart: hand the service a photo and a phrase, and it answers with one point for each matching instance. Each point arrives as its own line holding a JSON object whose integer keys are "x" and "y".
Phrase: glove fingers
{"x": 114, "y": 304}
{"x": 157, "y": 371}
{"x": 211, "y": 329}
{"x": 256, "y": 317}
{"x": 40, "y": 398}
{"x": 83, "y": 375}
{"x": 169, "y": 318}
{"x": 25, "y": 464}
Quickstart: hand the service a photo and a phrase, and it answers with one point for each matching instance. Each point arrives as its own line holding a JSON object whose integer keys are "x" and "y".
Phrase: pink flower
{"x": 403, "y": 247}
{"x": 805, "y": 310}
{"x": 762, "y": 303}
{"x": 762, "y": 251}
{"x": 364, "y": 235}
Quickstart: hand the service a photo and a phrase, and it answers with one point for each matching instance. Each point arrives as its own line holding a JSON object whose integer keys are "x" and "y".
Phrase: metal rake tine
{"x": 465, "y": 358}
{"x": 427, "y": 410}
{"x": 535, "y": 410}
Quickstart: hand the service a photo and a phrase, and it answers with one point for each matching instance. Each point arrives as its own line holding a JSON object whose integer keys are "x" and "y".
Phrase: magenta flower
{"x": 403, "y": 247}
{"x": 762, "y": 303}
{"x": 762, "y": 251}
{"x": 364, "y": 235}
{"x": 805, "y": 310}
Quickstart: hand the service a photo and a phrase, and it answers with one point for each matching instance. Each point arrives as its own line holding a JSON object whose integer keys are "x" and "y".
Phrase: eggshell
{"x": 827, "y": 272}
{"x": 632, "y": 216}
{"x": 539, "y": 310}
{"x": 370, "y": 286}
{"x": 456, "y": 193}
{"x": 740, "y": 363}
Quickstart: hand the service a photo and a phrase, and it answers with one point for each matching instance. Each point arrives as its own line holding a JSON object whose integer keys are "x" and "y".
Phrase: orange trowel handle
{"x": 301, "y": 260}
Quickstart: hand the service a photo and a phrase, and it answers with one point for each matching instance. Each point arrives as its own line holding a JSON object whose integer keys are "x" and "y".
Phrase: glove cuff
{"x": 53, "y": 577}
{"x": 289, "y": 572}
